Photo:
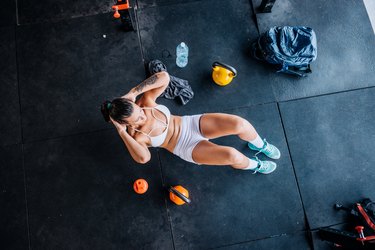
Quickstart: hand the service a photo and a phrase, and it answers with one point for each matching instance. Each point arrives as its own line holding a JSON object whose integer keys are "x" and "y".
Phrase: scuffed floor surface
{"x": 66, "y": 178}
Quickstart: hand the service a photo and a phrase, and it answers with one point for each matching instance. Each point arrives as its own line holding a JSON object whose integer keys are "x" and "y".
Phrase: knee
{"x": 234, "y": 156}
{"x": 239, "y": 124}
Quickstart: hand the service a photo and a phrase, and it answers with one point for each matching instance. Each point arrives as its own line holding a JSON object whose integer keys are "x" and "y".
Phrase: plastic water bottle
{"x": 182, "y": 53}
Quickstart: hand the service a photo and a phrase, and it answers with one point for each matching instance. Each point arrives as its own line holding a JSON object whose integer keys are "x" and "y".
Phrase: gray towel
{"x": 177, "y": 87}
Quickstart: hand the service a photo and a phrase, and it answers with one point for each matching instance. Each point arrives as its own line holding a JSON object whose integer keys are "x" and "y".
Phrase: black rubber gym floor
{"x": 66, "y": 177}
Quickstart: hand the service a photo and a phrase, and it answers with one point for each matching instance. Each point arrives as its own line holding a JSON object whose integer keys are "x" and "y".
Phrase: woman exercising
{"x": 143, "y": 123}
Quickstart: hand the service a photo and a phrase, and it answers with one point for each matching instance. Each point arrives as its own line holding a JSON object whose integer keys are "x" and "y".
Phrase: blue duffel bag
{"x": 291, "y": 48}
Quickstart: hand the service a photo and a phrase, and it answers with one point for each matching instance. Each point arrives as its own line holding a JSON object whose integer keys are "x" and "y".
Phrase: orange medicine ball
{"x": 140, "y": 186}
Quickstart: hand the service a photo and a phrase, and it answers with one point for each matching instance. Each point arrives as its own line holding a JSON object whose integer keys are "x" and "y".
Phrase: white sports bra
{"x": 157, "y": 141}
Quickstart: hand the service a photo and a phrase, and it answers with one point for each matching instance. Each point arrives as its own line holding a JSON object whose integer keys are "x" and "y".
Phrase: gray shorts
{"x": 189, "y": 138}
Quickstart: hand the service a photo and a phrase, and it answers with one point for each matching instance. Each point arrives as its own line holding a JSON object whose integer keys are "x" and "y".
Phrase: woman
{"x": 143, "y": 123}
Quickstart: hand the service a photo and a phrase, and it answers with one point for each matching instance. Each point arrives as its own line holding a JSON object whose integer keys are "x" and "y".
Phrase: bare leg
{"x": 215, "y": 125}
{"x": 209, "y": 153}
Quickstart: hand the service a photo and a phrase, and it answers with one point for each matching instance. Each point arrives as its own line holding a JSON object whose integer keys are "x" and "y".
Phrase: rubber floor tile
{"x": 13, "y": 230}
{"x": 7, "y": 13}
{"x": 231, "y": 206}
{"x": 10, "y": 122}
{"x": 210, "y": 38}
{"x": 330, "y": 140}
{"x": 80, "y": 196}
{"x": 297, "y": 241}
{"x": 48, "y": 10}
{"x": 68, "y": 69}
{"x": 345, "y": 41}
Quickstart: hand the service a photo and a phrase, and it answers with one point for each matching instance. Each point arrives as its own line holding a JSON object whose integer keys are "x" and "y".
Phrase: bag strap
{"x": 365, "y": 216}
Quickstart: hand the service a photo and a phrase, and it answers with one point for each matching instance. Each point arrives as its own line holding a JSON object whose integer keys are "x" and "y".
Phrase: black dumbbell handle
{"x": 179, "y": 195}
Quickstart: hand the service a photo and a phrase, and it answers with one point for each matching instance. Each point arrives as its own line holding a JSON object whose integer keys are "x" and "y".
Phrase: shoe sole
{"x": 269, "y": 172}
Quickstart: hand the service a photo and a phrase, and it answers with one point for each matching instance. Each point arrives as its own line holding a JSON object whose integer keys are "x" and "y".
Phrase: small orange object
{"x": 116, "y": 15}
{"x": 178, "y": 200}
{"x": 140, "y": 186}
{"x": 123, "y": 6}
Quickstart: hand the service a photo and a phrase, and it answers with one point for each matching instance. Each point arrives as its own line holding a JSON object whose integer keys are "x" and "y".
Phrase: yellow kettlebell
{"x": 222, "y": 73}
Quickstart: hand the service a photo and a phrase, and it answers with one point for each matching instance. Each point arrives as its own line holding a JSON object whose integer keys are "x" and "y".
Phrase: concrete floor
{"x": 66, "y": 178}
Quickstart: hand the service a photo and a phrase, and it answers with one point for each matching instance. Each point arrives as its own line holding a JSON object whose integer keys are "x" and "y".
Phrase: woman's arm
{"x": 138, "y": 151}
{"x": 152, "y": 87}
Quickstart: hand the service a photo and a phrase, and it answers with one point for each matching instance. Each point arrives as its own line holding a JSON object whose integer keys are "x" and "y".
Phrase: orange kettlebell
{"x": 179, "y": 195}
{"x": 140, "y": 186}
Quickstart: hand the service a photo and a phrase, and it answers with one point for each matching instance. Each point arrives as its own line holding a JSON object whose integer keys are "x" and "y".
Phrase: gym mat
{"x": 13, "y": 230}
{"x": 7, "y": 13}
{"x": 32, "y": 11}
{"x": 68, "y": 69}
{"x": 330, "y": 140}
{"x": 210, "y": 37}
{"x": 346, "y": 51}
{"x": 231, "y": 206}
{"x": 80, "y": 195}
{"x": 10, "y": 121}
{"x": 297, "y": 241}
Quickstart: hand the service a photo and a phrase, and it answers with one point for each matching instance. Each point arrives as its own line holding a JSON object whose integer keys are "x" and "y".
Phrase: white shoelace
{"x": 259, "y": 167}
{"x": 267, "y": 148}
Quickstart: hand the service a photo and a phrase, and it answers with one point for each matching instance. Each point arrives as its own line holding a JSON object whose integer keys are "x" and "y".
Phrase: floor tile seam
{"x": 332, "y": 225}
{"x": 59, "y": 20}
{"x": 45, "y": 139}
{"x": 25, "y": 193}
{"x": 247, "y": 106}
{"x": 263, "y": 238}
{"x": 18, "y": 85}
{"x": 254, "y": 16}
{"x": 139, "y": 32}
{"x": 161, "y": 167}
{"x": 17, "y": 17}
{"x": 294, "y": 170}
{"x": 325, "y": 94}
{"x": 165, "y": 200}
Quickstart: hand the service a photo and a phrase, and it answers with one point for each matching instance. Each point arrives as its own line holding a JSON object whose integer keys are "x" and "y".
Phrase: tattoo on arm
{"x": 149, "y": 81}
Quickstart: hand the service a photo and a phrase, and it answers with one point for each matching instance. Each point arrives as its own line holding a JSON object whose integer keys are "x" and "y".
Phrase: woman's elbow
{"x": 164, "y": 76}
{"x": 143, "y": 160}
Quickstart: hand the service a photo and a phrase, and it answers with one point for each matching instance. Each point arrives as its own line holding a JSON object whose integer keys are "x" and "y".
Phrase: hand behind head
{"x": 118, "y": 126}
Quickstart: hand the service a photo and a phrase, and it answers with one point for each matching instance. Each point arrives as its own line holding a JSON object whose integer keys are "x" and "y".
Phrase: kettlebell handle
{"x": 179, "y": 195}
{"x": 228, "y": 67}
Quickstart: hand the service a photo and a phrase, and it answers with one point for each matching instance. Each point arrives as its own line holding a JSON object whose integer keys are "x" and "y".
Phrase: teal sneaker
{"x": 268, "y": 149}
{"x": 264, "y": 167}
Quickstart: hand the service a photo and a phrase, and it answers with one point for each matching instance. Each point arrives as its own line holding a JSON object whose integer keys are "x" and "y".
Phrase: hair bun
{"x": 105, "y": 108}
{"x": 109, "y": 105}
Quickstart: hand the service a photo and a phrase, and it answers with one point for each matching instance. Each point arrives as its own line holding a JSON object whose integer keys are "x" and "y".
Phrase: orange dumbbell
{"x": 120, "y": 5}
{"x": 140, "y": 186}
{"x": 116, "y": 14}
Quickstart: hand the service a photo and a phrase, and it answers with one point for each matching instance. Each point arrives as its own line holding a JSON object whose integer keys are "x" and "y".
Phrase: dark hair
{"x": 118, "y": 109}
